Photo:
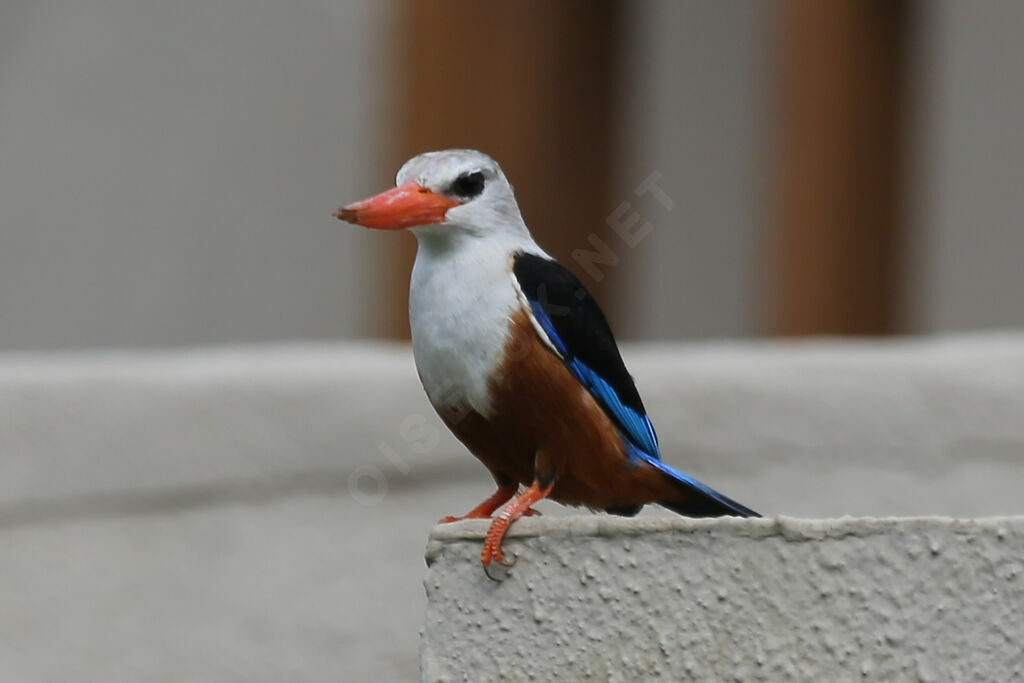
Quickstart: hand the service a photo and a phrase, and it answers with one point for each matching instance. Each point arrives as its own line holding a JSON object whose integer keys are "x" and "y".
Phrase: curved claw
{"x": 499, "y": 559}
{"x": 492, "y": 577}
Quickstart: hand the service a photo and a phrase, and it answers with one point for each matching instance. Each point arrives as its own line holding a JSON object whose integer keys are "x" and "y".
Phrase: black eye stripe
{"x": 467, "y": 185}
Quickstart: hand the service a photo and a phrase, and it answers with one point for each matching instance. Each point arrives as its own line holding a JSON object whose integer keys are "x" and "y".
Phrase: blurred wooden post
{"x": 532, "y": 83}
{"x": 838, "y": 244}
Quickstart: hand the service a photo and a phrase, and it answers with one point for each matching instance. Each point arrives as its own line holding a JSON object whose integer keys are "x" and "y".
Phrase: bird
{"x": 518, "y": 359}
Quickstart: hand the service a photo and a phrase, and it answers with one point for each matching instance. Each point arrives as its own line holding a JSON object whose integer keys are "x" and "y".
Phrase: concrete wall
{"x": 261, "y": 514}
{"x": 594, "y": 598}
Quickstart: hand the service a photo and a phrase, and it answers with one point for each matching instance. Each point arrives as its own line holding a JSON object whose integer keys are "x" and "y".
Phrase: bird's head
{"x": 455, "y": 190}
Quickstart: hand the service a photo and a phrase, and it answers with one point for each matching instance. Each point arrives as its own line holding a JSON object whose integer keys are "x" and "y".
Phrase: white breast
{"x": 461, "y": 300}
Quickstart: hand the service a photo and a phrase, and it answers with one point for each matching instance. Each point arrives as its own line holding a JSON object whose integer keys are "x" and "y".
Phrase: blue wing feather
{"x": 637, "y": 426}
{"x": 549, "y": 327}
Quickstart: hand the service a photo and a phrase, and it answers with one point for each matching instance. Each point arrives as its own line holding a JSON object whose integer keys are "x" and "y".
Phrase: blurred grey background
{"x": 167, "y": 171}
{"x": 255, "y": 510}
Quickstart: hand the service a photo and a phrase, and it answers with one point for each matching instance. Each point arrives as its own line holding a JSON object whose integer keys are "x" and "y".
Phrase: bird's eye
{"x": 467, "y": 185}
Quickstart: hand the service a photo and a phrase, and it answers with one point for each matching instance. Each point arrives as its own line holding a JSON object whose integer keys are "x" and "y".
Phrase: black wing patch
{"x": 578, "y": 329}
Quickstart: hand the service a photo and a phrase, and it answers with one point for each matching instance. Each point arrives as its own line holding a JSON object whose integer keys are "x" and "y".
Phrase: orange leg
{"x": 517, "y": 508}
{"x": 487, "y": 508}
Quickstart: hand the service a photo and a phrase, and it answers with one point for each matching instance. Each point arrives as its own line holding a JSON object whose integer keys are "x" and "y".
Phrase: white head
{"x": 454, "y": 191}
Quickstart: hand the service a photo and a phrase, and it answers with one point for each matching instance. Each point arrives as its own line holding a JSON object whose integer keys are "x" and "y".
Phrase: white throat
{"x": 461, "y": 298}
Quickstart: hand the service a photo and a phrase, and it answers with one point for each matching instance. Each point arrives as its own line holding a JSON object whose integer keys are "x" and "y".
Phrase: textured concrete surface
{"x": 597, "y": 598}
{"x": 259, "y": 514}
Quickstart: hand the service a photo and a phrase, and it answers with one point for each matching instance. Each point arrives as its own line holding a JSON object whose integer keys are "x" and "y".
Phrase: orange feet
{"x": 486, "y": 508}
{"x": 496, "y": 533}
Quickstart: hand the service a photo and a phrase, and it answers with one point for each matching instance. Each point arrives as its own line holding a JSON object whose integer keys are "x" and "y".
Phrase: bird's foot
{"x": 492, "y": 551}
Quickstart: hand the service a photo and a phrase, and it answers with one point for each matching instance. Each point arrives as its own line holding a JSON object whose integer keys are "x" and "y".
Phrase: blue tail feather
{"x": 703, "y": 501}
